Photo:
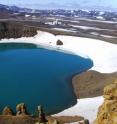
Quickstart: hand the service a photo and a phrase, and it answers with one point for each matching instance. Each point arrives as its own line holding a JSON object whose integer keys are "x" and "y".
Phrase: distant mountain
{"x": 14, "y": 11}
{"x": 14, "y": 8}
{"x": 74, "y": 5}
{"x": 4, "y": 11}
{"x": 2, "y": 6}
{"x": 52, "y": 6}
{"x": 44, "y": 6}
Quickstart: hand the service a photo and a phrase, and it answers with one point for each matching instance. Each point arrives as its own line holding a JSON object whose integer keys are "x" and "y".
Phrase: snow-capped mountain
{"x": 14, "y": 8}
{"x": 92, "y": 14}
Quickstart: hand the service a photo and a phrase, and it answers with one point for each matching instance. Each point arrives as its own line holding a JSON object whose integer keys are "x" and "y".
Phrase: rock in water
{"x": 107, "y": 113}
{"x": 7, "y": 111}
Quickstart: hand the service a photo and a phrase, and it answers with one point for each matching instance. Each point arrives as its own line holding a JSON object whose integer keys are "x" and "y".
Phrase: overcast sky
{"x": 107, "y": 3}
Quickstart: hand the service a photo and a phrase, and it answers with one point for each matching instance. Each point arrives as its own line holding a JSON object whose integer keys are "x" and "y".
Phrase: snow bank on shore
{"x": 85, "y": 107}
{"x": 103, "y": 55}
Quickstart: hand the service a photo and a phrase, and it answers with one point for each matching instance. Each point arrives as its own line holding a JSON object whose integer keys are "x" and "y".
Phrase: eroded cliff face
{"x": 16, "y": 30}
{"x": 107, "y": 113}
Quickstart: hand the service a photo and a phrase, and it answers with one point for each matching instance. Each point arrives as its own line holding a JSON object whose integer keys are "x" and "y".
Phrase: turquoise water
{"x": 38, "y": 77}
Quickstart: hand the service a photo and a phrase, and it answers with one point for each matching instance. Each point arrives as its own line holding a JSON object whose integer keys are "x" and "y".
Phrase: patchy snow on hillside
{"x": 88, "y": 27}
{"x": 65, "y": 30}
{"x": 108, "y": 36}
{"x": 98, "y": 21}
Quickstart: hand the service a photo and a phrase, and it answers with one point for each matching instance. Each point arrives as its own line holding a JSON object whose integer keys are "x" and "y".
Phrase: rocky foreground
{"x": 107, "y": 113}
{"x": 35, "y": 120}
{"x": 23, "y": 117}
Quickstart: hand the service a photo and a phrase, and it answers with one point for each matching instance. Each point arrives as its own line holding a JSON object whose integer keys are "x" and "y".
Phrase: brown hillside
{"x": 91, "y": 83}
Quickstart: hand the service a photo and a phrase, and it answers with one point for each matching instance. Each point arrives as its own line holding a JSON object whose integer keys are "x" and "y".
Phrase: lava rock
{"x": 59, "y": 42}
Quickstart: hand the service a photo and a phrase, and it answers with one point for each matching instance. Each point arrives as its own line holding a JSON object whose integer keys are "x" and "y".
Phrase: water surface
{"x": 38, "y": 76}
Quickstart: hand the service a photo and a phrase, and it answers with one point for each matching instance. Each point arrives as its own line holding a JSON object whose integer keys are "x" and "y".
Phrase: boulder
{"x": 59, "y": 42}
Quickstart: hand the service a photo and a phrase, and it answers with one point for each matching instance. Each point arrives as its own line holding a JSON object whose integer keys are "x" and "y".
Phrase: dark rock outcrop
{"x": 59, "y": 42}
{"x": 16, "y": 30}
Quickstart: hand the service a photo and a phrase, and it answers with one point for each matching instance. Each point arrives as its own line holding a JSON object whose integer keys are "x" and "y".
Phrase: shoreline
{"x": 84, "y": 47}
{"x": 42, "y": 42}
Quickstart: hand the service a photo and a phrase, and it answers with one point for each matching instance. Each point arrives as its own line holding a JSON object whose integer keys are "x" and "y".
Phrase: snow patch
{"x": 108, "y": 36}
{"x": 87, "y": 108}
{"x": 87, "y": 28}
{"x": 100, "y": 17}
{"x": 66, "y": 30}
{"x": 26, "y": 15}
